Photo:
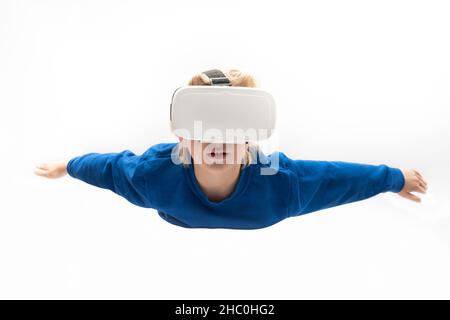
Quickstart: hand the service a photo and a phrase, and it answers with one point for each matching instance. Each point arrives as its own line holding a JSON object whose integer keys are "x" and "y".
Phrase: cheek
{"x": 197, "y": 150}
{"x": 239, "y": 151}
{"x": 194, "y": 146}
{"x": 191, "y": 146}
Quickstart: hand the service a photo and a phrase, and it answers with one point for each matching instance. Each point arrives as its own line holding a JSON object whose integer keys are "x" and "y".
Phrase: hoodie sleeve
{"x": 113, "y": 171}
{"x": 318, "y": 185}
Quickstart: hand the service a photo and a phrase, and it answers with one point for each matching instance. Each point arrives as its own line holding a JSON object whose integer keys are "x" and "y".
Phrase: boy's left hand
{"x": 51, "y": 170}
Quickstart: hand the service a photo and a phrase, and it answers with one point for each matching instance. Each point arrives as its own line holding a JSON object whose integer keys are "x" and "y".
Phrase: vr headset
{"x": 221, "y": 113}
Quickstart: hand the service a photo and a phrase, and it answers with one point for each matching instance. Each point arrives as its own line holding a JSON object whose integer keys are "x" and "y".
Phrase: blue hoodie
{"x": 296, "y": 187}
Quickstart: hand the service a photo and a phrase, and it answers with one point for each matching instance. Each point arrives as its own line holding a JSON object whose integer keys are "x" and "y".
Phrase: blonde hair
{"x": 237, "y": 79}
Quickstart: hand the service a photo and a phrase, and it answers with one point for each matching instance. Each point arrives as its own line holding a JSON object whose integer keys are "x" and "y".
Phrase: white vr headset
{"x": 221, "y": 113}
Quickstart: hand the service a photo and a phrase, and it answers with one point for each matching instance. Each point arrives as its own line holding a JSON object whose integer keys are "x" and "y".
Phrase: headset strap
{"x": 217, "y": 77}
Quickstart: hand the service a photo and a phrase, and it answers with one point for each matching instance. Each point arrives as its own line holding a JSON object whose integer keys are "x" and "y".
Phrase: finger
{"x": 41, "y": 169}
{"x": 424, "y": 182}
{"x": 412, "y": 197}
{"x": 42, "y": 166}
{"x": 40, "y": 172}
{"x": 421, "y": 189}
{"x": 423, "y": 185}
{"x": 416, "y": 172}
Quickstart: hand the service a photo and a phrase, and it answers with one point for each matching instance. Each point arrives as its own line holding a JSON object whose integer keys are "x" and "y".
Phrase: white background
{"x": 360, "y": 81}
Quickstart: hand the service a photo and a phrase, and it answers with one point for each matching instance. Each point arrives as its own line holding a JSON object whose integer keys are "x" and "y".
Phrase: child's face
{"x": 216, "y": 155}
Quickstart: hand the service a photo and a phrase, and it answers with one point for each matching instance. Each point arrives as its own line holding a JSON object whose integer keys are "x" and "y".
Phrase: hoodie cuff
{"x": 397, "y": 180}
{"x": 68, "y": 169}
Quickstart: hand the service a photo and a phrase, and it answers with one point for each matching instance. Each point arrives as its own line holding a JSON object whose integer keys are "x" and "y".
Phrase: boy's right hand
{"x": 51, "y": 170}
{"x": 413, "y": 182}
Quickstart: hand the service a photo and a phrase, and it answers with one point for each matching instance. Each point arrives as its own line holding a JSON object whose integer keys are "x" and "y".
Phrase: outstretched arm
{"x": 319, "y": 185}
{"x": 113, "y": 171}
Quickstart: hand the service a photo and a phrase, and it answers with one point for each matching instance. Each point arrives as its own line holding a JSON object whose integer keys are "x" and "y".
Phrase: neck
{"x": 217, "y": 185}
